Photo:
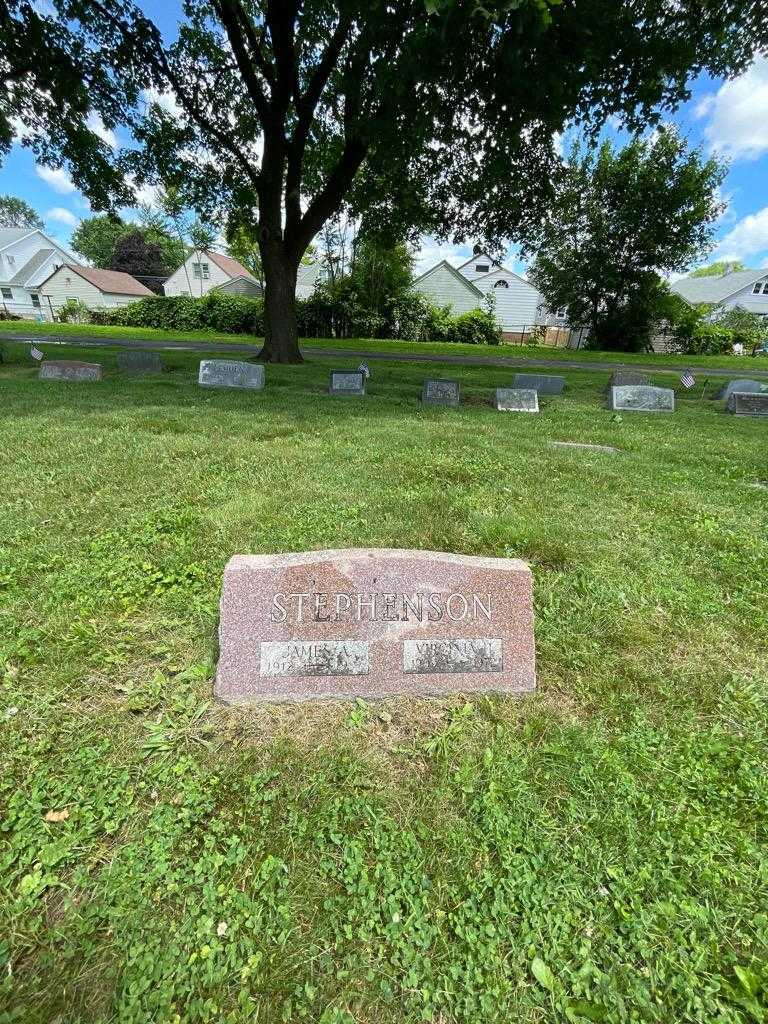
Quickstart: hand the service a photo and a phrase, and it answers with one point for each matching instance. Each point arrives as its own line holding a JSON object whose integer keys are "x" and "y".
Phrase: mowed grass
{"x": 593, "y": 853}
{"x": 745, "y": 365}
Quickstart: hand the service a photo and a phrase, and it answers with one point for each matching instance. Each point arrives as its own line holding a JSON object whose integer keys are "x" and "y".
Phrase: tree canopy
{"x": 98, "y": 238}
{"x": 718, "y": 268}
{"x": 17, "y": 213}
{"x": 435, "y": 115}
{"x": 135, "y": 254}
{"x": 618, "y": 219}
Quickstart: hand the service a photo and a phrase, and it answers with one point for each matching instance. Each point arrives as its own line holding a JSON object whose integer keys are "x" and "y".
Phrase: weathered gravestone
{"x": 231, "y": 373}
{"x": 516, "y": 400}
{"x": 373, "y": 623}
{"x": 440, "y": 392}
{"x": 544, "y": 384}
{"x": 347, "y": 382}
{"x": 746, "y": 403}
{"x": 139, "y": 361}
{"x": 743, "y": 386}
{"x": 641, "y": 398}
{"x": 622, "y": 378}
{"x": 70, "y": 369}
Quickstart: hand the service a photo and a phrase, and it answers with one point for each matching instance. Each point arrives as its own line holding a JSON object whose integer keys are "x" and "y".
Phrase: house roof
{"x": 715, "y": 289}
{"x": 481, "y": 256}
{"x": 308, "y": 273}
{"x": 31, "y": 267}
{"x": 113, "y": 282}
{"x": 10, "y": 235}
{"x": 459, "y": 277}
{"x": 234, "y": 268}
{"x": 498, "y": 267}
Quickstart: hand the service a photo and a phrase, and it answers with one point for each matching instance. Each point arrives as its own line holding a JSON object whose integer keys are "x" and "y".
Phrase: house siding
{"x": 22, "y": 252}
{"x": 66, "y": 284}
{"x": 747, "y": 297}
{"x": 517, "y": 305}
{"x": 177, "y": 283}
{"x": 442, "y": 288}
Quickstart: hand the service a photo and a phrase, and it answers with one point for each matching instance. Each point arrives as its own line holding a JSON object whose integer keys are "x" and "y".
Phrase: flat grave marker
{"x": 607, "y": 448}
{"x": 436, "y": 391}
{"x": 622, "y": 378}
{"x": 516, "y": 400}
{"x": 748, "y": 403}
{"x": 139, "y": 361}
{"x": 743, "y": 386}
{"x": 70, "y": 370}
{"x": 545, "y": 384}
{"x": 641, "y": 398}
{"x": 347, "y": 382}
{"x": 231, "y": 373}
{"x": 373, "y": 623}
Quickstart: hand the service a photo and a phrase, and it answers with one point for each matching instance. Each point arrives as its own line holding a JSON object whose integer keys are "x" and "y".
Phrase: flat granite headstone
{"x": 543, "y": 383}
{"x": 140, "y": 362}
{"x": 231, "y": 373}
{"x": 516, "y": 400}
{"x": 436, "y": 391}
{"x": 69, "y": 369}
{"x": 744, "y": 386}
{"x": 641, "y": 398}
{"x": 373, "y": 623}
{"x": 347, "y": 382}
{"x": 622, "y": 378}
{"x": 747, "y": 403}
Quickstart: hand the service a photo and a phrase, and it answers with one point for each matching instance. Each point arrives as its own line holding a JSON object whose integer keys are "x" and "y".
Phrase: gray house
{"x": 745, "y": 289}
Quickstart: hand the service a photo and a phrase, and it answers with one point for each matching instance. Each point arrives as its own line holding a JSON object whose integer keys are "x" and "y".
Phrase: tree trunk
{"x": 281, "y": 336}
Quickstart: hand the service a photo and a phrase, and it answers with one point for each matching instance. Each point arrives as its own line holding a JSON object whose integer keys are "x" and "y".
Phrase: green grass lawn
{"x": 596, "y": 852}
{"x": 737, "y": 364}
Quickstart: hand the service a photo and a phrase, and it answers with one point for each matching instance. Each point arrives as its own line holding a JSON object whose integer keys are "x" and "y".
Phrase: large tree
{"x": 97, "y": 238}
{"x": 134, "y": 254}
{"x": 718, "y": 268}
{"x": 17, "y": 213}
{"x": 428, "y": 114}
{"x": 617, "y": 220}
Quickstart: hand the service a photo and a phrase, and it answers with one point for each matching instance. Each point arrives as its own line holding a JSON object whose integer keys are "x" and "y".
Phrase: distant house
{"x": 309, "y": 277}
{"x": 98, "y": 289}
{"x": 27, "y": 258}
{"x": 745, "y": 289}
{"x": 204, "y": 270}
{"x": 518, "y": 305}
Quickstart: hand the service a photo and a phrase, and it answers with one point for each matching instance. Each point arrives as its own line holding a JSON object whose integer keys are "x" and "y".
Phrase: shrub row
{"x": 228, "y": 314}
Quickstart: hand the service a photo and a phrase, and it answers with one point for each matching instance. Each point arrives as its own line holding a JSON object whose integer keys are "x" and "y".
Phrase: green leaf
{"x": 586, "y": 1010}
{"x": 748, "y": 979}
{"x": 542, "y": 974}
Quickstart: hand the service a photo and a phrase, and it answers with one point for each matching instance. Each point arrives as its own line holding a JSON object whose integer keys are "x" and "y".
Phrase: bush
{"x": 229, "y": 314}
{"x": 5, "y": 315}
{"x": 478, "y": 327}
{"x": 74, "y": 311}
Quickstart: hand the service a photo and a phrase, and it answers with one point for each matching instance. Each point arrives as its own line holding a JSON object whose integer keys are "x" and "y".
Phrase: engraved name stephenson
{"x": 381, "y": 607}
{"x": 447, "y": 656}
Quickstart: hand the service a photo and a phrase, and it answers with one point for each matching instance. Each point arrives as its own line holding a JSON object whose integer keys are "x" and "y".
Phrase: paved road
{"x": 88, "y": 341}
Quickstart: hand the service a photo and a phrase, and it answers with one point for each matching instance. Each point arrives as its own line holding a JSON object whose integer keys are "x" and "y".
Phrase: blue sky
{"x": 729, "y": 118}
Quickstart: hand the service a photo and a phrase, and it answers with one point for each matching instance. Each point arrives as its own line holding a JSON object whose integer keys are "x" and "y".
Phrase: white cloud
{"x": 737, "y": 126}
{"x": 749, "y": 237}
{"x": 98, "y": 127}
{"x": 63, "y": 216}
{"x": 431, "y": 252}
{"x": 165, "y": 100}
{"x": 57, "y": 178}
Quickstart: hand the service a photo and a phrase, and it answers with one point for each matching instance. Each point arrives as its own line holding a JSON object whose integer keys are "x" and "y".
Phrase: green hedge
{"x": 229, "y": 314}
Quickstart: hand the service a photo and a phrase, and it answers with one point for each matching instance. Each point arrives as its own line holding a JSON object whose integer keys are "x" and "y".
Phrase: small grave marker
{"x": 641, "y": 398}
{"x": 70, "y": 370}
{"x": 347, "y": 382}
{"x": 744, "y": 386}
{"x": 231, "y": 373}
{"x": 621, "y": 378}
{"x": 440, "y": 392}
{"x": 543, "y": 383}
{"x": 373, "y": 623}
{"x": 607, "y": 448}
{"x": 516, "y": 400}
{"x": 746, "y": 403}
{"x": 140, "y": 361}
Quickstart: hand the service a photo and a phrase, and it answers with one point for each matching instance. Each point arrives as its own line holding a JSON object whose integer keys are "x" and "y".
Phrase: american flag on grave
{"x": 688, "y": 380}
{"x": 36, "y": 353}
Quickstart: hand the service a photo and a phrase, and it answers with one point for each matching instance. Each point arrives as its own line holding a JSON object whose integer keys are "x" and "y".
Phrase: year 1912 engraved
{"x": 315, "y": 658}
{"x": 449, "y": 656}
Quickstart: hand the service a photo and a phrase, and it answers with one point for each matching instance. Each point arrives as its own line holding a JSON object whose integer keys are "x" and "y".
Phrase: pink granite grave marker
{"x": 367, "y": 622}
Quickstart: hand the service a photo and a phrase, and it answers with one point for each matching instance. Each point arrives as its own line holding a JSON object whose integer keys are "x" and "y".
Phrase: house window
{"x": 196, "y": 270}
{"x": 758, "y": 288}
{"x": 201, "y": 270}
{"x": 35, "y": 300}
{"x": 501, "y": 284}
{"x": 765, "y": 288}
{"x": 482, "y": 268}
{"x": 206, "y": 272}
{"x": 7, "y": 293}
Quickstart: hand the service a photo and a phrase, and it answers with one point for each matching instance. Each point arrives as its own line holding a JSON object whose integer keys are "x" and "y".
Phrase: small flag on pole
{"x": 36, "y": 353}
{"x": 688, "y": 380}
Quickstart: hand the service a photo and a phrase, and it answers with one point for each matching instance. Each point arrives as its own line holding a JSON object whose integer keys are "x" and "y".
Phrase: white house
{"x": 98, "y": 289}
{"x": 745, "y": 289}
{"x": 204, "y": 270}
{"x": 517, "y": 303}
{"x": 27, "y": 258}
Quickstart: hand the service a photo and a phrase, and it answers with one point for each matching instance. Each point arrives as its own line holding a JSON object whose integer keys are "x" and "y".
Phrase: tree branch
{"x": 231, "y": 14}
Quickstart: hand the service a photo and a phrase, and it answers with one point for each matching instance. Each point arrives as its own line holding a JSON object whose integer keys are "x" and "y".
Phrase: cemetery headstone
{"x": 748, "y": 403}
{"x": 140, "y": 361}
{"x": 607, "y": 448}
{"x": 70, "y": 370}
{"x": 743, "y": 386}
{"x": 373, "y": 623}
{"x": 440, "y": 392}
{"x": 622, "y": 378}
{"x": 347, "y": 382}
{"x": 641, "y": 398}
{"x": 543, "y": 383}
{"x": 231, "y": 373}
{"x": 516, "y": 400}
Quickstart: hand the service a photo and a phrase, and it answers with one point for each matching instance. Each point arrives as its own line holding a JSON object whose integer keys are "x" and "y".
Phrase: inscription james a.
{"x": 453, "y": 656}
{"x": 379, "y": 607}
{"x": 315, "y": 658}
